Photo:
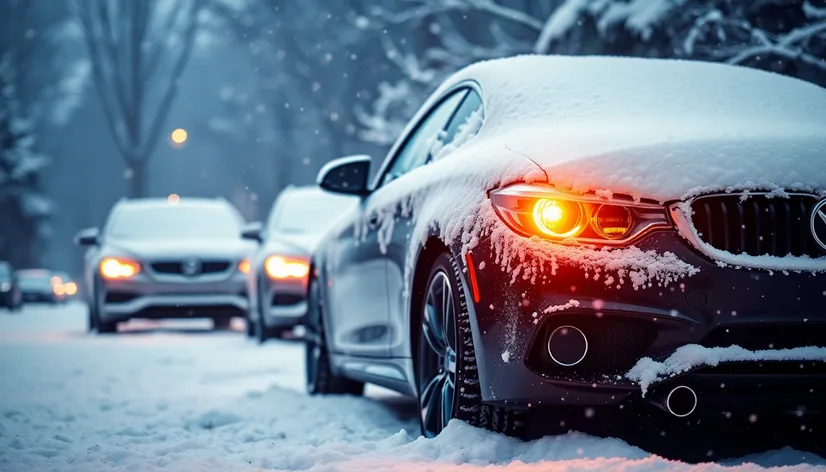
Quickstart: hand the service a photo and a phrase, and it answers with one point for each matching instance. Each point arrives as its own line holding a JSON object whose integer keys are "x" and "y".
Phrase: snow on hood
{"x": 658, "y": 129}
{"x": 661, "y": 129}
{"x": 177, "y": 248}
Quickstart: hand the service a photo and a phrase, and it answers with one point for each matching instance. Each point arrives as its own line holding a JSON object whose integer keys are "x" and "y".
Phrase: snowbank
{"x": 648, "y": 371}
{"x": 178, "y": 397}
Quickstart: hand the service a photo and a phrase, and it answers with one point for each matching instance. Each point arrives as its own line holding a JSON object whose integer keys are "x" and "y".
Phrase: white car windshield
{"x": 309, "y": 213}
{"x": 175, "y": 221}
{"x": 34, "y": 279}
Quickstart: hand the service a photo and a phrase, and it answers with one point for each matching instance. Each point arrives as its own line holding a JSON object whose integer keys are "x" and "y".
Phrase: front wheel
{"x": 448, "y": 382}
{"x": 97, "y": 320}
{"x": 321, "y": 380}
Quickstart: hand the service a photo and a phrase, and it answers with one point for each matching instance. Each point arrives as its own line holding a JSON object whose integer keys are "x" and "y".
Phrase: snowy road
{"x": 176, "y": 396}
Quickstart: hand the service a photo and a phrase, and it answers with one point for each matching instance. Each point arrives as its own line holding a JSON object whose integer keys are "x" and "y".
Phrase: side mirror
{"x": 252, "y": 231}
{"x": 87, "y": 237}
{"x": 347, "y": 175}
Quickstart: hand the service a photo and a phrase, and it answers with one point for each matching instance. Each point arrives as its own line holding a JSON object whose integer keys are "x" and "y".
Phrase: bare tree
{"x": 786, "y": 36}
{"x": 138, "y": 50}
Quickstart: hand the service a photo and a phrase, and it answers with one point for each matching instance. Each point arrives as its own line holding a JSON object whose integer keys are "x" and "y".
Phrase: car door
{"x": 456, "y": 128}
{"x": 393, "y": 232}
{"x": 357, "y": 284}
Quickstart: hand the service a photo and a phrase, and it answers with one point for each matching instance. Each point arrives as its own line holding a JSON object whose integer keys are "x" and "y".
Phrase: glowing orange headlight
{"x": 558, "y": 218}
{"x": 116, "y": 268}
{"x": 71, "y": 288}
{"x": 244, "y": 266}
{"x": 279, "y": 267}
{"x": 544, "y": 211}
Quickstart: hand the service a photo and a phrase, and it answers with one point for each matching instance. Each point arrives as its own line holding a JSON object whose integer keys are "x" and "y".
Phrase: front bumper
{"x": 283, "y": 302}
{"x": 717, "y": 307}
{"x": 146, "y": 297}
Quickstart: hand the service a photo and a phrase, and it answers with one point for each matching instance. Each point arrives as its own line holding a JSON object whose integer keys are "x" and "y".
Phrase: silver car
{"x": 299, "y": 218}
{"x": 159, "y": 258}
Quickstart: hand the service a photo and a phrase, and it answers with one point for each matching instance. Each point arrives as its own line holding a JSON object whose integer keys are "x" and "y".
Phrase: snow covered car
{"x": 159, "y": 258}
{"x": 555, "y": 234}
{"x": 10, "y": 295}
{"x": 278, "y": 280}
{"x": 38, "y": 285}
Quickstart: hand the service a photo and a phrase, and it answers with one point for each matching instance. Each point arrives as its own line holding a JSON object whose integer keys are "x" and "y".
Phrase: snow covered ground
{"x": 177, "y": 396}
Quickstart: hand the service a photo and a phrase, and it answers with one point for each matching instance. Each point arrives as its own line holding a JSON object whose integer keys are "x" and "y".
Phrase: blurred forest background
{"x": 270, "y": 90}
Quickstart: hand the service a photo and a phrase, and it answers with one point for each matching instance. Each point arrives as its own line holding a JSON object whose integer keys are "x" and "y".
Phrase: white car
{"x": 155, "y": 259}
{"x": 277, "y": 283}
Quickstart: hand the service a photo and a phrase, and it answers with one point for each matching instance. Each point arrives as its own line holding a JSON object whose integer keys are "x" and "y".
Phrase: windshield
{"x": 175, "y": 221}
{"x": 309, "y": 213}
{"x": 34, "y": 278}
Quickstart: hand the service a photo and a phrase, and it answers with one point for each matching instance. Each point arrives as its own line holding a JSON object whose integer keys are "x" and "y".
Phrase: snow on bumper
{"x": 714, "y": 307}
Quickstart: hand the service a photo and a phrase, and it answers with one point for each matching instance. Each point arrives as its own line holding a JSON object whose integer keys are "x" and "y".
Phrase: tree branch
{"x": 87, "y": 25}
{"x": 172, "y": 87}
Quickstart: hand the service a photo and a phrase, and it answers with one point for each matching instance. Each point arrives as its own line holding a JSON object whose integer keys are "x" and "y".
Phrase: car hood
{"x": 659, "y": 129}
{"x": 650, "y": 160}
{"x": 292, "y": 244}
{"x": 173, "y": 249}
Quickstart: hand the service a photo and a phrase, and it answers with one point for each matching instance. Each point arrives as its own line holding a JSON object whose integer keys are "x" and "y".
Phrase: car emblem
{"x": 818, "y": 223}
{"x": 191, "y": 266}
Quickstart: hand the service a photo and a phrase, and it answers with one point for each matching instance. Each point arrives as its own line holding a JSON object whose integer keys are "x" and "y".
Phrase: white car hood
{"x": 179, "y": 248}
{"x": 648, "y": 160}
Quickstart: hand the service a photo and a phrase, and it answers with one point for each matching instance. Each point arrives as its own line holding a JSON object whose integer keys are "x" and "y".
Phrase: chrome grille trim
{"x": 757, "y": 226}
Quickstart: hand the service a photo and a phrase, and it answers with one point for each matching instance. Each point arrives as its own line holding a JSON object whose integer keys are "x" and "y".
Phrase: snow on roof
{"x": 556, "y": 90}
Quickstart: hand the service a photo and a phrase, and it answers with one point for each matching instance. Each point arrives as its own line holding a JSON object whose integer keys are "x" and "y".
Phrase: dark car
{"x": 10, "y": 295}
{"x": 560, "y": 234}
{"x": 39, "y": 285}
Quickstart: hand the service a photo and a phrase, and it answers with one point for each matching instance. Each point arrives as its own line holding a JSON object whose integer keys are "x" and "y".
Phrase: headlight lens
{"x": 244, "y": 266}
{"x": 280, "y": 267}
{"x": 541, "y": 210}
{"x": 558, "y": 218}
{"x": 613, "y": 221}
{"x": 118, "y": 268}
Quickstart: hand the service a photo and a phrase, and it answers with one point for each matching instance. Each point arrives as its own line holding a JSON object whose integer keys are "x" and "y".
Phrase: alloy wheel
{"x": 437, "y": 379}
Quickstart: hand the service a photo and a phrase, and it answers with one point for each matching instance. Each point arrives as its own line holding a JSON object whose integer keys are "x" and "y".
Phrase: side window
{"x": 464, "y": 125}
{"x": 416, "y": 150}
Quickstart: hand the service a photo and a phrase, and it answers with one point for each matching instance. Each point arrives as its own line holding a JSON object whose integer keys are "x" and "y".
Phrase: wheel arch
{"x": 427, "y": 255}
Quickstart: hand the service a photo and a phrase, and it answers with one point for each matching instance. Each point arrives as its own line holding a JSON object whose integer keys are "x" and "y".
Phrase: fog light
{"x": 560, "y": 219}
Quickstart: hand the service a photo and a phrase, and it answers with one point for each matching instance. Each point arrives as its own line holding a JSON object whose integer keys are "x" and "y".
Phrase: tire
{"x": 102, "y": 327}
{"x": 262, "y": 332}
{"x": 446, "y": 367}
{"x": 320, "y": 378}
{"x": 250, "y": 327}
{"x": 91, "y": 319}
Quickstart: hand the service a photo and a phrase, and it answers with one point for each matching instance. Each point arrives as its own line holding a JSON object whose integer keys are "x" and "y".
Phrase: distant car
{"x": 10, "y": 295}
{"x": 277, "y": 283}
{"x": 159, "y": 258}
{"x": 554, "y": 236}
{"x": 37, "y": 285}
